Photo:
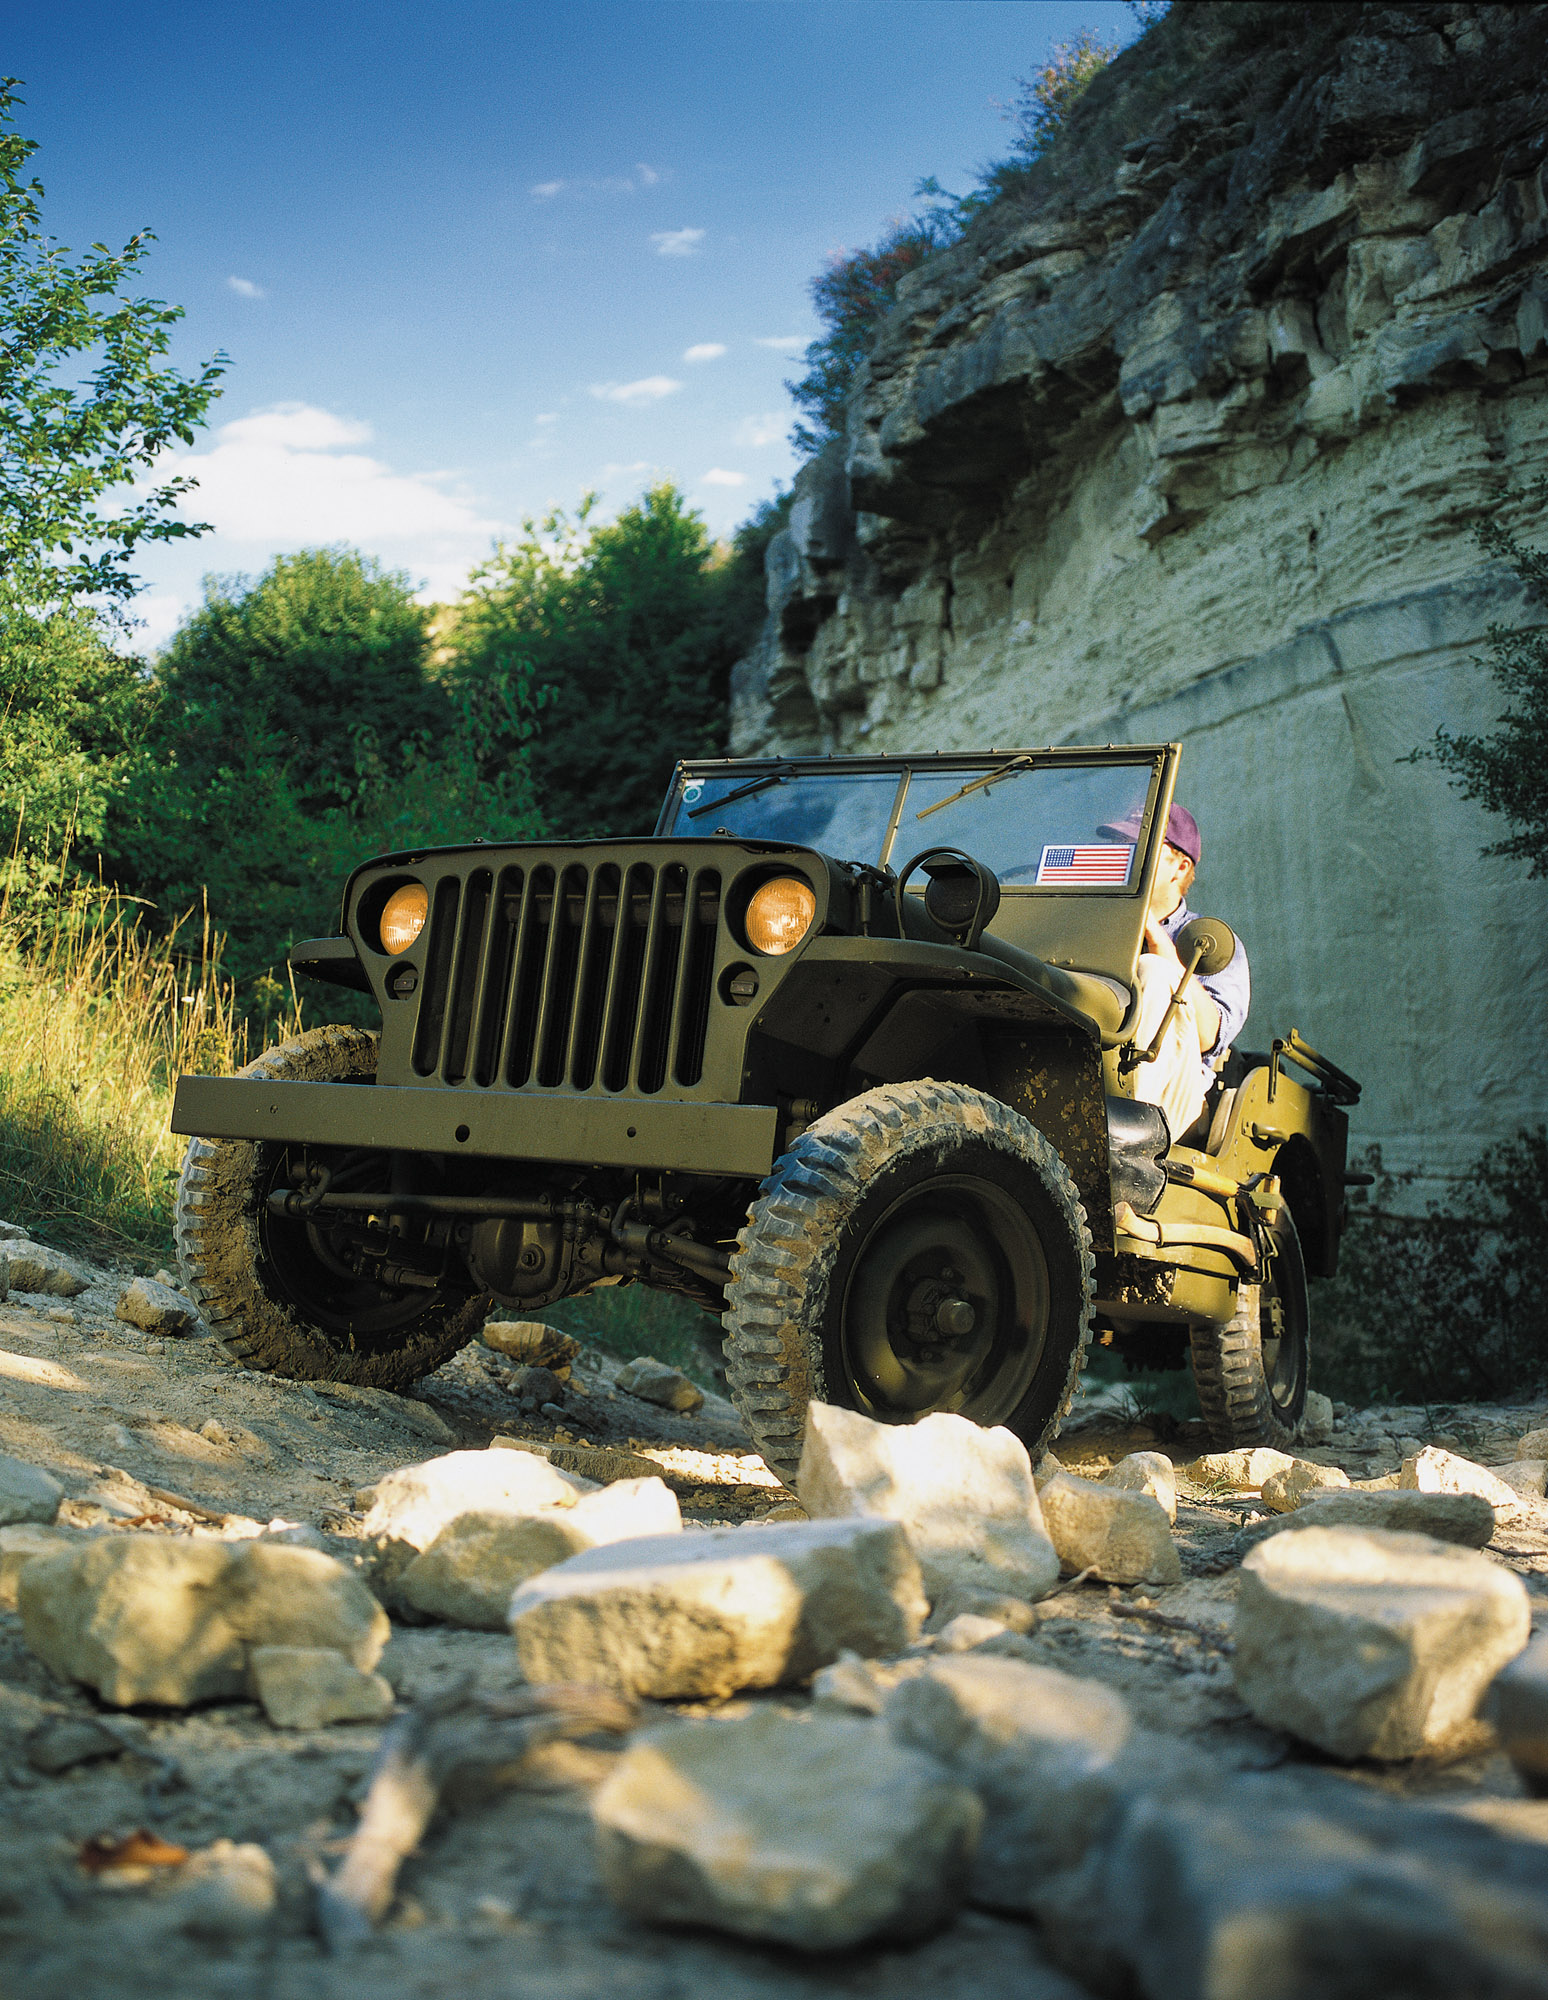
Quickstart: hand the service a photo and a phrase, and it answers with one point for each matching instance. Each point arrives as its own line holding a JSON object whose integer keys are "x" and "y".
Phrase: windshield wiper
{"x": 1024, "y": 762}
{"x": 744, "y": 791}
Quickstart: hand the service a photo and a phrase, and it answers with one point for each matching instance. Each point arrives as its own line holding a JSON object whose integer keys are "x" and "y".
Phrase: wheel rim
{"x": 1283, "y": 1322}
{"x": 304, "y": 1269}
{"x": 945, "y": 1306}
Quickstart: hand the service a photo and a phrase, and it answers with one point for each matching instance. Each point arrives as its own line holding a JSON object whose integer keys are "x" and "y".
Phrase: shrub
{"x": 1448, "y": 1305}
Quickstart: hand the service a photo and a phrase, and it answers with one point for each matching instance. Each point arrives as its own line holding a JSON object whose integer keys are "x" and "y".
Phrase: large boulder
{"x": 1432, "y": 1470}
{"x": 34, "y": 1267}
{"x": 1372, "y": 1644}
{"x": 1036, "y": 1745}
{"x": 470, "y": 1571}
{"x": 144, "y": 1618}
{"x": 1122, "y": 1537}
{"x": 816, "y": 1831}
{"x": 1464, "y": 1518}
{"x": 26, "y": 1543}
{"x": 679, "y": 1616}
{"x": 415, "y": 1503}
{"x": 1517, "y": 1705}
{"x": 965, "y": 1497}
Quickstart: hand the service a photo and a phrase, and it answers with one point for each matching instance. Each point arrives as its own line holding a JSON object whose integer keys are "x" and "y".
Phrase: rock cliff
{"x": 1185, "y": 440}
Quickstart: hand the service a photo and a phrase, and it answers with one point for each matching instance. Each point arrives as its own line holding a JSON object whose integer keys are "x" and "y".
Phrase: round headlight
{"x": 780, "y": 915}
{"x": 404, "y": 917}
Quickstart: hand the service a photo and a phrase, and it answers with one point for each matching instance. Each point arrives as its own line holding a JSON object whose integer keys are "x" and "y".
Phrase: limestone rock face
{"x": 1123, "y": 1537}
{"x": 815, "y": 1831}
{"x": 965, "y": 1497}
{"x": 1110, "y": 461}
{"x": 678, "y": 1616}
{"x": 471, "y": 1570}
{"x": 1372, "y": 1644}
{"x": 415, "y": 1504}
{"x": 1036, "y": 1745}
{"x": 142, "y": 1618}
{"x": 1149, "y": 1472}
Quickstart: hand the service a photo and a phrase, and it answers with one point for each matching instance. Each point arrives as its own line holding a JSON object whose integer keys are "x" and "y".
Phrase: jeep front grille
{"x": 568, "y": 975}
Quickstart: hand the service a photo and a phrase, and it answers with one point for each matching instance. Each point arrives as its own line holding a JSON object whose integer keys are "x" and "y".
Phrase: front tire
{"x": 1251, "y": 1373}
{"x": 919, "y": 1248}
{"x": 266, "y": 1285}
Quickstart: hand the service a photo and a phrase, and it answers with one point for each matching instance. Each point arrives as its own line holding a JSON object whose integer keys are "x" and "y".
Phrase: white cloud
{"x": 704, "y": 350}
{"x": 677, "y": 242}
{"x": 284, "y": 477}
{"x": 758, "y": 431}
{"x": 246, "y": 289}
{"x": 649, "y": 389}
{"x": 546, "y": 190}
{"x": 597, "y": 184}
{"x": 718, "y": 476}
{"x": 649, "y": 176}
{"x": 548, "y": 417}
{"x": 782, "y": 343}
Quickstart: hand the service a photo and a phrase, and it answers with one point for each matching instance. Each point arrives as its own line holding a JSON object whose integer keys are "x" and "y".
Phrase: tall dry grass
{"x": 99, "y": 1015}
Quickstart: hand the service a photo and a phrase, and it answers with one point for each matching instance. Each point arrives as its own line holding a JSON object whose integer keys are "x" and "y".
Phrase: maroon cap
{"x": 1182, "y": 831}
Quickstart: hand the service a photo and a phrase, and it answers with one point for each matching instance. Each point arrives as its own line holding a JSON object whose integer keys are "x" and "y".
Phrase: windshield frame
{"x": 988, "y": 764}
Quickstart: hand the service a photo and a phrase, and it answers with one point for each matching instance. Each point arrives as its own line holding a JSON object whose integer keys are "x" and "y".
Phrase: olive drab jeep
{"x": 845, "y": 1053}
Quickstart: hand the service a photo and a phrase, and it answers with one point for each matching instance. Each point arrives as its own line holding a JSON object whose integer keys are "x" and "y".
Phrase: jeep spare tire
{"x": 919, "y": 1248}
{"x": 270, "y": 1287}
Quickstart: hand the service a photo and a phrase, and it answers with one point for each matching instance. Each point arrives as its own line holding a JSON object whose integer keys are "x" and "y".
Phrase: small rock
{"x": 533, "y": 1387}
{"x": 964, "y": 1495}
{"x": 1241, "y": 1471}
{"x": 967, "y": 1630}
{"x": 1464, "y": 1518}
{"x": 307, "y": 1687}
{"x": 681, "y": 1616}
{"x": 36, "y": 1268}
{"x": 1532, "y": 1444}
{"x": 405, "y": 1410}
{"x": 1517, "y": 1705}
{"x": 1526, "y": 1477}
{"x": 415, "y": 1503}
{"x": 1431, "y": 1470}
{"x": 531, "y": 1343}
{"x": 64, "y": 1741}
{"x": 145, "y": 1618}
{"x": 470, "y": 1572}
{"x": 815, "y": 1831}
{"x": 657, "y": 1383}
{"x": 1316, "y": 1419}
{"x": 27, "y": 1493}
{"x": 60, "y": 1315}
{"x": 224, "y": 1891}
{"x": 589, "y": 1465}
{"x": 1036, "y": 1745}
{"x": 155, "y": 1308}
{"x": 1123, "y": 1537}
{"x": 22, "y": 1545}
{"x": 1149, "y": 1472}
{"x": 1372, "y": 1644}
{"x": 1284, "y": 1491}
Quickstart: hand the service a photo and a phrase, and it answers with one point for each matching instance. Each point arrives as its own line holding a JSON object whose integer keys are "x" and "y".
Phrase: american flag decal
{"x": 1076, "y": 867}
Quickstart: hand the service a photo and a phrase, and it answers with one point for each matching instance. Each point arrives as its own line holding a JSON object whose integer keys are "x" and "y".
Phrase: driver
{"x": 1212, "y": 1010}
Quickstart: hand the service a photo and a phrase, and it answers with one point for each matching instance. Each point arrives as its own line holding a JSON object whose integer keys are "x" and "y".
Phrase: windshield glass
{"x": 1056, "y": 826}
{"x": 842, "y": 813}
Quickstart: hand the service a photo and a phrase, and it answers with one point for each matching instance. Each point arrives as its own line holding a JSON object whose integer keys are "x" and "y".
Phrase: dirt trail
{"x": 504, "y": 1897}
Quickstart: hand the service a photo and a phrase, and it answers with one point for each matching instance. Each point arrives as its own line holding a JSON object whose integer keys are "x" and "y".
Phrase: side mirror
{"x": 1214, "y": 941}
{"x": 962, "y": 895}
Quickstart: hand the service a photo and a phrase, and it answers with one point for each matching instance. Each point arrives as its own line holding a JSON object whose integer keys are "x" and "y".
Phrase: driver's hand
{"x": 1157, "y": 941}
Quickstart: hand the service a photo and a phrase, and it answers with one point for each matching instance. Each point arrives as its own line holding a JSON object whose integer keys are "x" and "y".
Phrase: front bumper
{"x": 672, "y": 1135}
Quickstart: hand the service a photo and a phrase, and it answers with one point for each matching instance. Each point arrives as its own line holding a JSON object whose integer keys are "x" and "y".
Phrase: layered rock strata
{"x": 1187, "y": 441}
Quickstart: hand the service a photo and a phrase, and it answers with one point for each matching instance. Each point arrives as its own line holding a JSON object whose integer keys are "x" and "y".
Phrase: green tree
{"x": 627, "y": 633}
{"x": 1507, "y": 770}
{"x": 1045, "y": 98}
{"x": 292, "y": 729}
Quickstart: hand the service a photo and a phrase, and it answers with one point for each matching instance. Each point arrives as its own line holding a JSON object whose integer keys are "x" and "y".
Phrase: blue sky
{"x": 470, "y": 260}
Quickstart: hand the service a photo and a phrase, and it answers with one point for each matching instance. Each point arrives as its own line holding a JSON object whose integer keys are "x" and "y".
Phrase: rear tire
{"x": 271, "y": 1300}
{"x": 1251, "y": 1373}
{"x": 919, "y": 1248}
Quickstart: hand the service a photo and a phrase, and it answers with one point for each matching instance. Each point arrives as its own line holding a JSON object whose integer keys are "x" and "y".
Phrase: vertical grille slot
{"x": 467, "y": 964}
{"x": 623, "y": 1000}
{"x": 598, "y": 950}
{"x": 701, "y": 922}
{"x": 558, "y": 1000}
{"x": 497, "y": 986}
{"x": 438, "y": 964}
{"x": 663, "y": 953}
{"x": 536, "y": 910}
